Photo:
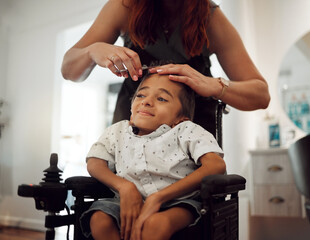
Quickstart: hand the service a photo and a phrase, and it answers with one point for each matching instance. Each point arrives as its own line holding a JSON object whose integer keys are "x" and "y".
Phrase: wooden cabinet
{"x": 273, "y": 191}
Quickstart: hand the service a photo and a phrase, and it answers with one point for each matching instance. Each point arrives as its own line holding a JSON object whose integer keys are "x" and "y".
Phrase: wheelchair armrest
{"x": 87, "y": 187}
{"x": 221, "y": 184}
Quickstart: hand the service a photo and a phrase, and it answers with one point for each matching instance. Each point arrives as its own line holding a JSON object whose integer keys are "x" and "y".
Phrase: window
{"x": 84, "y": 109}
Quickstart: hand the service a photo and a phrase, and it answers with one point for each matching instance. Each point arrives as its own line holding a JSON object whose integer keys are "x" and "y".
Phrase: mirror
{"x": 294, "y": 82}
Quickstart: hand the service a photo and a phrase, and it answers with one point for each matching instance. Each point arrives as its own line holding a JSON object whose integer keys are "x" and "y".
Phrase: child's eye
{"x": 162, "y": 99}
{"x": 140, "y": 95}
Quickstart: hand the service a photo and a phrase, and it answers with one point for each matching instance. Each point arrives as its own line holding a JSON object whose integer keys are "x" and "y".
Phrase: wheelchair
{"x": 219, "y": 194}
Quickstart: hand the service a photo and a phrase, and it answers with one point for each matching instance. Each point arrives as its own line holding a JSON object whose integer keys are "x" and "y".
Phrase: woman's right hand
{"x": 96, "y": 46}
{"x": 116, "y": 58}
{"x": 131, "y": 203}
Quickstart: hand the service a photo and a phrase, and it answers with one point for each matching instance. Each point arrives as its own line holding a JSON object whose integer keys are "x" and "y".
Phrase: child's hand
{"x": 151, "y": 205}
{"x": 131, "y": 203}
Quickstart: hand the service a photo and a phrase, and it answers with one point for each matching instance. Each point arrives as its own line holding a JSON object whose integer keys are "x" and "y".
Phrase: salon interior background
{"x": 31, "y": 50}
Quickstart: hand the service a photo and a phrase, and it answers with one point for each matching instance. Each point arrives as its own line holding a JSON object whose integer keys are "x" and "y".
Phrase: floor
{"x": 9, "y": 233}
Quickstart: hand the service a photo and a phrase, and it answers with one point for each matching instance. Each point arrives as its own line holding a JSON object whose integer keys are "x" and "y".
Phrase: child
{"x": 160, "y": 158}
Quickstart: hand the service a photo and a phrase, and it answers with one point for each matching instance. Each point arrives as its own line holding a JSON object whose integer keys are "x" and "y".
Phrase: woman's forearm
{"x": 248, "y": 89}
{"x": 77, "y": 64}
{"x": 247, "y": 95}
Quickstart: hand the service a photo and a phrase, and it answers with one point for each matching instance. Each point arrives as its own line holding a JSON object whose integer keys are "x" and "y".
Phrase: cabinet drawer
{"x": 272, "y": 169}
{"x": 277, "y": 200}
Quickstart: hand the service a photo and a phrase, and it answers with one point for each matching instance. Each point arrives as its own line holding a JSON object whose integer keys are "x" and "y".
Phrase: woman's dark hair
{"x": 186, "y": 96}
{"x": 144, "y": 17}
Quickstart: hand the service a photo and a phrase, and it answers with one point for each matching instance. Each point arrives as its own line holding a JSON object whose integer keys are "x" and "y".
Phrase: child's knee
{"x": 101, "y": 221}
{"x": 157, "y": 225}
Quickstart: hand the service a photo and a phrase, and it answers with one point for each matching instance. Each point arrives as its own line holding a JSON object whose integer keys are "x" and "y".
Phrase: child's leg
{"x": 103, "y": 227}
{"x": 163, "y": 225}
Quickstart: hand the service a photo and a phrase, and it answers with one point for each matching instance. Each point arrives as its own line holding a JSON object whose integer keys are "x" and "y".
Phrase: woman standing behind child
{"x": 186, "y": 32}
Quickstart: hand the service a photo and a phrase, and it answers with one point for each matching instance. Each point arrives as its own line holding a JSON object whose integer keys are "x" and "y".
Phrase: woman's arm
{"x": 130, "y": 199}
{"x": 248, "y": 89}
{"x": 96, "y": 46}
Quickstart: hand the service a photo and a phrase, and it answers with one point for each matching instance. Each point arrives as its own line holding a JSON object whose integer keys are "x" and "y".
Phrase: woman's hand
{"x": 151, "y": 205}
{"x": 247, "y": 93}
{"x": 130, "y": 204}
{"x": 116, "y": 58}
{"x": 201, "y": 84}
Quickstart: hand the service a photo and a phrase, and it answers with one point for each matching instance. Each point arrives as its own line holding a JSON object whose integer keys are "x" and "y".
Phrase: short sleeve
{"x": 197, "y": 141}
{"x": 104, "y": 148}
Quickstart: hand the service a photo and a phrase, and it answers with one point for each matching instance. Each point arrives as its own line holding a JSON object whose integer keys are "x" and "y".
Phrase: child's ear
{"x": 179, "y": 120}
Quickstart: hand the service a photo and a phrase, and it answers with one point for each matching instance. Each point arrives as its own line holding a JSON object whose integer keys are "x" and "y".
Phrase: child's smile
{"x": 145, "y": 113}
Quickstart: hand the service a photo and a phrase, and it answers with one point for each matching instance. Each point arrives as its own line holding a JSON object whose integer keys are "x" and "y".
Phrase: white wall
{"x": 29, "y": 30}
{"x": 269, "y": 29}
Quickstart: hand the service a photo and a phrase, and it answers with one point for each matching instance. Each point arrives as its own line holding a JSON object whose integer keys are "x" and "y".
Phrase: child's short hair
{"x": 186, "y": 96}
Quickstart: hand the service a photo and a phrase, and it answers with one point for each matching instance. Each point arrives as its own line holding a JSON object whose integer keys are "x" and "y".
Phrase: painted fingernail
{"x": 135, "y": 78}
{"x": 140, "y": 72}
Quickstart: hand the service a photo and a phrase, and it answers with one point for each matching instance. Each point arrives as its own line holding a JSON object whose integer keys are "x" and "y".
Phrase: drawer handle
{"x": 275, "y": 168}
{"x": 277, "y": 200}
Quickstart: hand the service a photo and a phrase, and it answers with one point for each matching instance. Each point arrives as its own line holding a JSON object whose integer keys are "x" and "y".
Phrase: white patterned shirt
{"x": 154, "y": 161}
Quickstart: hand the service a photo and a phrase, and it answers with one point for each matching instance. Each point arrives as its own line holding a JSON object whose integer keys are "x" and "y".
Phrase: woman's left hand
{"x": 151, "y": 205}
{"x": 201, "y": 84}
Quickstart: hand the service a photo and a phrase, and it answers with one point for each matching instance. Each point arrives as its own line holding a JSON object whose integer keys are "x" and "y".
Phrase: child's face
{"x": 157, "y": 102}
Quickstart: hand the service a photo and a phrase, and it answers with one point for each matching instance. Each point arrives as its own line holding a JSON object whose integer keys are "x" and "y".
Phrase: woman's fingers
{"x": 182, "y": 79}
{"x": 133, "y": 64}
{"x": 201, "y": 84}
{"x": 120, "y": 60}
{"x": 180, "y": 73}
{"x": 127, "y": 59}
{"x": 118, "y": 66}
{"x": 176, "y": 69}
{"x": 111, "y": 65}
{"x": 166, "y": 69}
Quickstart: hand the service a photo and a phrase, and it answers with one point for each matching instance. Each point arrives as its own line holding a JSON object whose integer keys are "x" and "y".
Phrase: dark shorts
{"x": 111, "y": 206}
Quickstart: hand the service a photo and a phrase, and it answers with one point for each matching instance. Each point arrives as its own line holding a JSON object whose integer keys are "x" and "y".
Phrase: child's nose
{"x": 147, "y": 101}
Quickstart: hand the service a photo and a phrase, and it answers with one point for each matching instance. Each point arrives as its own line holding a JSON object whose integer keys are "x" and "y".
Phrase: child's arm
{"x": 130, "y": 199}
{"x": 211, "y": 163}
